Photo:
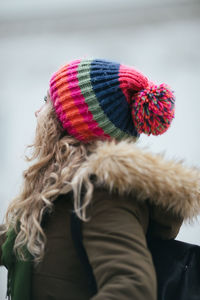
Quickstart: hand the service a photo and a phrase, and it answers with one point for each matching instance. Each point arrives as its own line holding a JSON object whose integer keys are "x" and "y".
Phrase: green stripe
{"x": 90, "y": 98}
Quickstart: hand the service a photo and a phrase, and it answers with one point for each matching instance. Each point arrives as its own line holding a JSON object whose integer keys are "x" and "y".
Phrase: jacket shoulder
{"x": 128, "y": 169}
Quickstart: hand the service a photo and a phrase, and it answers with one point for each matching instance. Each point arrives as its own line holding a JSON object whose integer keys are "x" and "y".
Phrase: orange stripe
{"x": 67, "y": 101}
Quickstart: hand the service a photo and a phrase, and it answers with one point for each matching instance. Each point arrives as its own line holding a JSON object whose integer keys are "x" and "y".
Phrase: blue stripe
{"x": 105, "y": 83}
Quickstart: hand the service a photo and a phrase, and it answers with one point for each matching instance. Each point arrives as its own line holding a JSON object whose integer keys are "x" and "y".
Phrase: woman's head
{"x": 95, "y": 99}
{"x": 98, "y": 99}
{"x": 88, "y": 101}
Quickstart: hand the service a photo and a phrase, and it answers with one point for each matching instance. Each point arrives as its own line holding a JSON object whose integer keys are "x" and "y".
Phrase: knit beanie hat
{"x": 100, "y": 99}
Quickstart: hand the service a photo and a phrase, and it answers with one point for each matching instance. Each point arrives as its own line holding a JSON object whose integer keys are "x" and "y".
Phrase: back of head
{"x": 99, "y": 99}
{"x": 91, "y": 100}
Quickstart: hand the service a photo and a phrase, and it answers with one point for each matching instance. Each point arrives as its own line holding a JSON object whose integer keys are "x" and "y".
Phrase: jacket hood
{"x": 126, "y": 168}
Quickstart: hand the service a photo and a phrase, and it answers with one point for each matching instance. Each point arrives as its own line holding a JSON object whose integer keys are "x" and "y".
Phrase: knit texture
{"x": 94, "y": 99}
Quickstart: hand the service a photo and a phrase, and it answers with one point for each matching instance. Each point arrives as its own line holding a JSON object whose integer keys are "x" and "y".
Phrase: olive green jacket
{"x": 134, "y": 193}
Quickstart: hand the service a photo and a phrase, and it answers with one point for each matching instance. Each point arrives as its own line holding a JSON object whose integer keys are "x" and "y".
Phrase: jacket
{"x": 135, "y": 193}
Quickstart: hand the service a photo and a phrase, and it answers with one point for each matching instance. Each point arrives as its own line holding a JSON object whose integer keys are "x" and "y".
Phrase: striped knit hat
{"x": 99, "y": 99}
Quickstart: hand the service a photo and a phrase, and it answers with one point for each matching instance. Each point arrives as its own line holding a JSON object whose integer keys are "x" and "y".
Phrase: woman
{"x": 87, "y": 161}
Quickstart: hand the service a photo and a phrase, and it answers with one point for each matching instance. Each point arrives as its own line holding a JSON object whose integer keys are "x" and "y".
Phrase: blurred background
{"x": 160, "y": 38}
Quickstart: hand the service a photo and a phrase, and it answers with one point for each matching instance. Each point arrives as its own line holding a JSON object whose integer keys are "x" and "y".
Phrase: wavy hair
{"x": 57, "y": 158}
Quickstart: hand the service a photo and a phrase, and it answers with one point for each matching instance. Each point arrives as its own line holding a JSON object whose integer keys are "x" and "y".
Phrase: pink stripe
{"x": 123, "y": 84}
{"x": 75, "y": 91}
{"x": 59, "y": 110}
{"x": 131, "y": 81}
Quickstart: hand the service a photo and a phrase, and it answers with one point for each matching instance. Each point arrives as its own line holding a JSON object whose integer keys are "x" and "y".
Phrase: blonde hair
{"x": 58, "y": 158}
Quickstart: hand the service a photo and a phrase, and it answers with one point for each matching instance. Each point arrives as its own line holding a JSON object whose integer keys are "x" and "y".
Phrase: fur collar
{"x": 126, "y": 168}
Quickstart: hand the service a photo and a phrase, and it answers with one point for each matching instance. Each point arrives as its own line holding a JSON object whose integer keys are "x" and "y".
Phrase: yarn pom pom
{"x": 153, "y": 109}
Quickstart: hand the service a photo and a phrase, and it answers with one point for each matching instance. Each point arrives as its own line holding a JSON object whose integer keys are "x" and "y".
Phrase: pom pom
{"x": 153, "y": 109}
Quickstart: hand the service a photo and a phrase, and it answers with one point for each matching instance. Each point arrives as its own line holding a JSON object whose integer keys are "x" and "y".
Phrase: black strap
{"x": 76, "y": 233}
{"x": 177, "y": 265}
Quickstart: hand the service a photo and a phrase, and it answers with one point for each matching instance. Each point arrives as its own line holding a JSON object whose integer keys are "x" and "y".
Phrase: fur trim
{"x": 126, "y": 168}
